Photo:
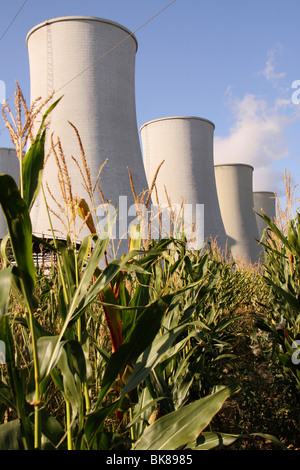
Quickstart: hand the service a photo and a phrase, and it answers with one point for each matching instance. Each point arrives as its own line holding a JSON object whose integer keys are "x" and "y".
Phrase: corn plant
{"x": 281, "y": 277}
{"x": 165, "y": 311}
{"x": 58, "y": 359}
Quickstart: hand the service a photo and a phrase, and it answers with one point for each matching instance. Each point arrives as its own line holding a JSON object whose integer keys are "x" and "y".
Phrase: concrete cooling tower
{"x": 185, "y": 143}
{"x": 234, "y": 187}
{"x": 266, "y": 201}
{"x": 91, "y": 63}
{"x": 9, "y": 165}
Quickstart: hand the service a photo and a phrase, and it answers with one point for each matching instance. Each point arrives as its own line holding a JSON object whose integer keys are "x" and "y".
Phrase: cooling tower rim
{"x": 77, "y": 18}
{"x": 169, "y": 118}
{"x": 264, "y": 192}
{"x": 234, "y": 164}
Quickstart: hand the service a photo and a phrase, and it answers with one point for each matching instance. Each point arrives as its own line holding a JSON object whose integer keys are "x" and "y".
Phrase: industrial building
{"x": 264, "y": 201}
{"x": 98, "y": 99}
{"x": 235, "y": 193}
{"x": 185, "y": 144}
{"x": 90, "y": 63}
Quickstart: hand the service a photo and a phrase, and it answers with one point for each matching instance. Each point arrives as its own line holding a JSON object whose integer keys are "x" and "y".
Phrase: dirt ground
{"x": 266, "y": 403}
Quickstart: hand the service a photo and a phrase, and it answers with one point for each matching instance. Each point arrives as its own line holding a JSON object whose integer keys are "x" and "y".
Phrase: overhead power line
{"x": 106, "y": 53}
{"x": 10, "y": 24}
{"x": 115, "y": 47}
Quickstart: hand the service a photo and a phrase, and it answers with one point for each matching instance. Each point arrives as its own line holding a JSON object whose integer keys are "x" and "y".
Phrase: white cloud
{"x": 257, "y": 138}
{"x": 269, "y": 71}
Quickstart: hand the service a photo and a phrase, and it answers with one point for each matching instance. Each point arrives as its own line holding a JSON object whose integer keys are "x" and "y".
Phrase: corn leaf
{"x": 276, "y": 230}
{"x": 178, "y": 428}
{"x": 15, "y": 382}
{"x": 51, "y": 429}
{"x": 32, "y": 168}
{"x": 19, "y": 227}
{"x": 85, "y": 294}
{"x": 212, "y": 440}
{"x": 11, "y": 436}
{"x": 33, "y": 163}
{"x": 150, "y": 357}
{"x": 139, "y": 338}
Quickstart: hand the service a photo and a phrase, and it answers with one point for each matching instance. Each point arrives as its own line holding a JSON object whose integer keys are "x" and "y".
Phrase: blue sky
{"x": 230, "y": 61}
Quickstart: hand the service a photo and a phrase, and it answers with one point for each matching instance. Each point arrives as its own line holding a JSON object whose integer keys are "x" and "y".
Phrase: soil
{"x": 267, "y": 403}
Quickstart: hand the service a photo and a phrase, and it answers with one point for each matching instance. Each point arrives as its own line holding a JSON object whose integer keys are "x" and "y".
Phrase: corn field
{"x": 148, "y": 351}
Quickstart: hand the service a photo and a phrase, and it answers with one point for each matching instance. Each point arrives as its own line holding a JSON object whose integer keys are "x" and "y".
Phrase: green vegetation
{"x": 148, "y": 352}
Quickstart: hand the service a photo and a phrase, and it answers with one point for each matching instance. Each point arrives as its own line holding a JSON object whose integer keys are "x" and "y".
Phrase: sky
{"x": 234, "y": 62}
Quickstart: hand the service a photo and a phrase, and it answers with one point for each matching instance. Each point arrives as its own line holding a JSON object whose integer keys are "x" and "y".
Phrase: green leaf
{"x": 71, "y": 364}
{"x": 15, "y": 381}
{"x": 212, "y": 440}
{"x": 84, "y": 296}
{"x": 184, "y": 425}
{"x": 49, "y": 110}
{"x": 10, "y": 436}
{"x": 96, "y": 419}
{"x": 45, "y": 348}
{"x": 139, "y": 338}
{"x": 19, "y": 227}
{"x": 269, "y": 437}
{"x": 51, "y": 428}
{"x": 69, "y": 266}
{"x": 151, "y": 356}
{"x": 85, "y": 249}
{"x": 276, "y": 230}
{"x": 80, "y": 298}
{"x": 292, "y": 300}
{"x": 33, "y": 163}
{"x": 32, "y": 168}
{"x": 6, "y": 396}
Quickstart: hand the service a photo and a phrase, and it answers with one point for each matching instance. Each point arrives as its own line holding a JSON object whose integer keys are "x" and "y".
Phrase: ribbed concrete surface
{"x": 185, "y": 143}
{"x": 9, "y": 164}
{"x": 266, "y": 201}
{"x": 98, "y": 98}
{"x": 235, "y": 193}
